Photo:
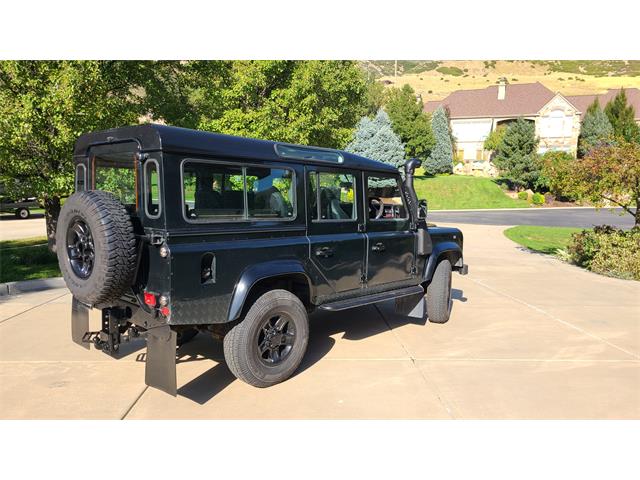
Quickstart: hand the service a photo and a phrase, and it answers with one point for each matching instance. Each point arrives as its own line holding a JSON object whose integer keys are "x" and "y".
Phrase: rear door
{"x": 334, "y": 228}
{"x": 390, "y": 239}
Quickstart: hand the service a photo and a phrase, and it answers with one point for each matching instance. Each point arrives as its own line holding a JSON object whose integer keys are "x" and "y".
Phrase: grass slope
{"x": 27, "y": 259}
{"x": 461, "y": 192}
{"x": 541, "y": 239}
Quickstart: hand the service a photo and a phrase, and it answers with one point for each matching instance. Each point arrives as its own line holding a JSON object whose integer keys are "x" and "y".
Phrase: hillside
{"x": 434, "y": 80}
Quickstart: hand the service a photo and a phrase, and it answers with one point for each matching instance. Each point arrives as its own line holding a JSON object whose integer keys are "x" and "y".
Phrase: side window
{"x": 213, "y": 191}
{"x": 270, "y": 192}
{"x": 152, "y": 188}
{"x": 384, "y": 198}
{"x": 81, "y": 177}
{"x": 217, "y": 192}
{"x": 335, "y": 196}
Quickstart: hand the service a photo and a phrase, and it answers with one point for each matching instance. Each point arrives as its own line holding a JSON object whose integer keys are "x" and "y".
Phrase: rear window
{"x": 224, "y": 192}
{"x": 116, "y": 173}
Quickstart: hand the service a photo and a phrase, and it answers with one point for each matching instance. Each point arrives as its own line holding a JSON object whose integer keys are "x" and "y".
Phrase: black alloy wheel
{"x": 80, "y": 248}
{"x": 276, "y": 338}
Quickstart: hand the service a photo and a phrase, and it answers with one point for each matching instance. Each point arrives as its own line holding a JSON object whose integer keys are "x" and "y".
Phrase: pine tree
{"x": 441, "y": 158}
{"x": 516, "y": 156}
{"x": 622, "y": 119}
{"x": 595, "y": 130}
{"x": 376, "y": 139}
{"x": 410, "y": 122}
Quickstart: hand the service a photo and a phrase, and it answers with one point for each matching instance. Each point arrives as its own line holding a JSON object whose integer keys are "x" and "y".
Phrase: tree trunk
{"x": 51, "y": 213}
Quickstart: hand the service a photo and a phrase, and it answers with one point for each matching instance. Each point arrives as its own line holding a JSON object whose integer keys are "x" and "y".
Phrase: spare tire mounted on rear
{"x": 96, "y": 247}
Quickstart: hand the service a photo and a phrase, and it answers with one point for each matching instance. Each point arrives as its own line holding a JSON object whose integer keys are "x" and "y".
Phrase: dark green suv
{"x": 172, "y": 232}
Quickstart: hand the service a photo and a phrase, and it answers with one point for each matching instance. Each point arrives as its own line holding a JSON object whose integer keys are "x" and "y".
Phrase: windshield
{"x": 116, "y": 173}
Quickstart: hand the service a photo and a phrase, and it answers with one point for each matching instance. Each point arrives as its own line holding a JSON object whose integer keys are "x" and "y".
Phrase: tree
{"x": 622, "y": 119}
{"x": 494, "y": 139}
{"x": 375, "y": 98}
{"x": 441, "y": 158}
{"x": 607, "y": 174}
{"x": 516, "y": 156}
{"x": 410, "y": 122}
{"x": 376, "y": 139}
{"x": 310, "y": 102}
{"x": 45, "y": 106}
{"x": 595, "y": 129}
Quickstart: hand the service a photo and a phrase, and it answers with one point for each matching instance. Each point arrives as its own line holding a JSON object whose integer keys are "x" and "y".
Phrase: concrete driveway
{"x": 529, "y": 337}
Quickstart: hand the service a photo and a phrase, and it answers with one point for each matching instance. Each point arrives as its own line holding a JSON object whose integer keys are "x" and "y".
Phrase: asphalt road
{"x": 552, "y": 217}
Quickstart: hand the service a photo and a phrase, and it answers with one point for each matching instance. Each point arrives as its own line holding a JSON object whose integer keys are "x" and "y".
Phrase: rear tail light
{"x": 149, "y": 299}
{"x": 165, "y": 311}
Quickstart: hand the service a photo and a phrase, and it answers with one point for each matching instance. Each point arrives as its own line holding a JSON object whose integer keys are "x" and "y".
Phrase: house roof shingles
{"x": 520, "y": 99}
{"x": 582, "y": 102}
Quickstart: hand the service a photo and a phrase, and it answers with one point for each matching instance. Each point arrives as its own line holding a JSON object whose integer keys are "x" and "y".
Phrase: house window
{"x": 460, "y": 154}
{"x": 479, "y": 155}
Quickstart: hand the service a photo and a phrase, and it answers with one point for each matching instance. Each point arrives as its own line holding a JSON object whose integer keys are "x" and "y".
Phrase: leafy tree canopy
{"x": 608, "y": 174}
{"x": 494, "y": 139}
{"x": 410, "y": 122}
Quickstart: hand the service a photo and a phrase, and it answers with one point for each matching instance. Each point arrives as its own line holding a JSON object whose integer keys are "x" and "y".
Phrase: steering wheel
{"x": 376, "y": 207}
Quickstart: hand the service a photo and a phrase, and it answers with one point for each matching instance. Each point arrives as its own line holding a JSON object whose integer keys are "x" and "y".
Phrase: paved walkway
{"x": 530, "y": 337}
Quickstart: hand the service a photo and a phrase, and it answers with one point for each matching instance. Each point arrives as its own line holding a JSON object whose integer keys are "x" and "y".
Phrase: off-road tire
{"x": 22, "y": 213}
{"x": 114, "y": 265}
{"x": 439, "y": 293}
{"x": 241, "y": 345}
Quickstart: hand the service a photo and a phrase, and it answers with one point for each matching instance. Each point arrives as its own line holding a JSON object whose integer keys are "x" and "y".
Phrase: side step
{"x": 369, "y": 299}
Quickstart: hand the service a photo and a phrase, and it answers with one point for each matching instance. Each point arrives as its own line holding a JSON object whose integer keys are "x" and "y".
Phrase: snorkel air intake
{"x": 412, "y": 198}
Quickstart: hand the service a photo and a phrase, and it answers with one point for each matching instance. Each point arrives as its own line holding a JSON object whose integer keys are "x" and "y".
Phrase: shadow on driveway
{"x": 357, "y": 324}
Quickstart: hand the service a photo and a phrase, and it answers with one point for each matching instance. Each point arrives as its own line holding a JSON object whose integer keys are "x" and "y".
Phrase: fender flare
{"x": 447, "y": 249}
{"x": 258, "y": 272}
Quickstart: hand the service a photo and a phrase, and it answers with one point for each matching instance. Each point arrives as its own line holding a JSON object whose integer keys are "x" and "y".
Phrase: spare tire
{"x": 96, "y": 247}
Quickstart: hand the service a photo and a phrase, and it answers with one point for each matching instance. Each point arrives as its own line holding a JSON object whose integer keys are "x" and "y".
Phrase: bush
{"x": 608, "y": 251}
{"x": 537, "y": 199}
{"x": 523, "y": 195}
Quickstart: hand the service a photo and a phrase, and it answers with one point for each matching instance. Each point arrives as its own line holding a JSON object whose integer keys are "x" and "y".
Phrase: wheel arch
{"x": 446, "y": 250}
{"x": 285, "y": 274}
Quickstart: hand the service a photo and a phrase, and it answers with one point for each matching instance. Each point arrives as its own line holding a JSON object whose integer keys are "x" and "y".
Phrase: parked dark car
{"x": 174, "y": 231}
{"x": 20, "y": 207}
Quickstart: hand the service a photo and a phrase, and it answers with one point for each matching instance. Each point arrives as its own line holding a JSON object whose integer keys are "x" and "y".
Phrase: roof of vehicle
{"x": 152, "y": 137}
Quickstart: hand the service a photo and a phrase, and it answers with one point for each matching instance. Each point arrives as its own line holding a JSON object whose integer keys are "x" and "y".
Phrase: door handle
{"x": 379, "y": 247}
{"x": 324, "y": 252}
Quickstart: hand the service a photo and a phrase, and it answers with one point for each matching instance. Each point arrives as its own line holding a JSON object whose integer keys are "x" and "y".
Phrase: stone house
{"x": 476, "y": 113}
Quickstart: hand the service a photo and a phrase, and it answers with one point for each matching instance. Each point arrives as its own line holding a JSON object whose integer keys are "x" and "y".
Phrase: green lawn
{"x": 541, "y": 239}
{"x": 457, "y": 192}
{"x": 27, "y": 259}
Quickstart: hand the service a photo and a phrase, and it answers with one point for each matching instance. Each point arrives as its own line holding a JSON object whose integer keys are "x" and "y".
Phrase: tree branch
{"x": 625, "y": 207}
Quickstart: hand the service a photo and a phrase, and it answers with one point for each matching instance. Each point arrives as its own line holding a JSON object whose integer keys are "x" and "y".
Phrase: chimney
{"x": 502, "y": 88}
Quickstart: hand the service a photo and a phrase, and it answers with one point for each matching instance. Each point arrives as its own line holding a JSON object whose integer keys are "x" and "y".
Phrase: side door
{"x": 391, "y": 242}
{"x": 336, "y": 241}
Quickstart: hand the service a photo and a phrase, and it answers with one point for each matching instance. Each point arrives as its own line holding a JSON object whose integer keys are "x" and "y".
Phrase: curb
{"x": 14, "y": 288}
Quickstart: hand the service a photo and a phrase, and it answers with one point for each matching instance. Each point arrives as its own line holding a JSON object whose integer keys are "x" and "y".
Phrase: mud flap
{"x": 412, "y": 306}
{"x": 160, "y": 367}
{"x": 79, "y": 322}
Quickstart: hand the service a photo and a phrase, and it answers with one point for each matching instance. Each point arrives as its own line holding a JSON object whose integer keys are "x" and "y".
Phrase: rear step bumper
{"x": 160, "y": 361}
{"x": 369, "y": 299}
